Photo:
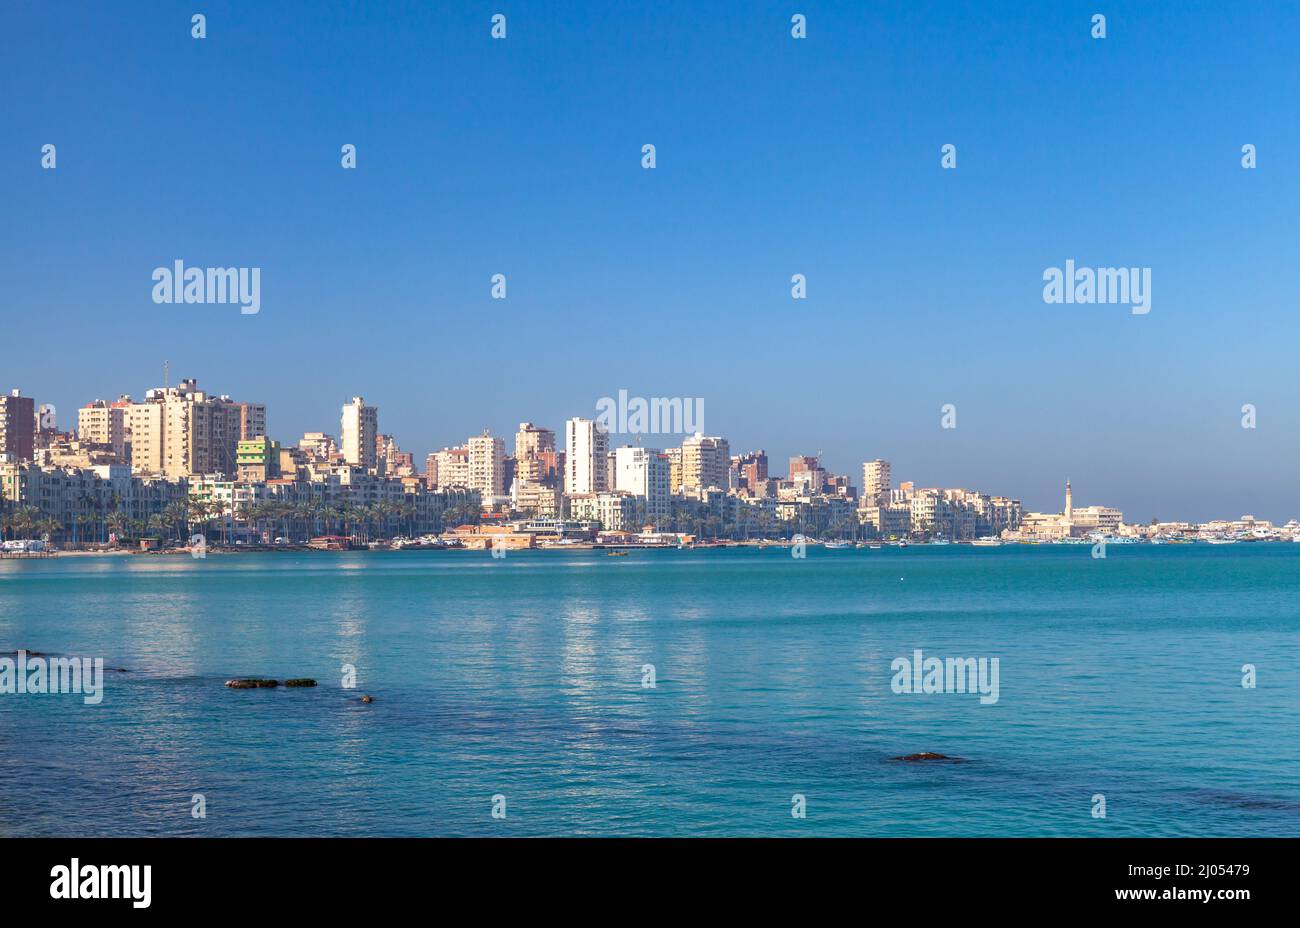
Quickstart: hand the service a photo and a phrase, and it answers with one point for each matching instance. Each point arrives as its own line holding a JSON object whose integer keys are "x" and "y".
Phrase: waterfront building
{"x": 87, "y": 503}
{"x": 537, "y": 499}
{"x": 614, "y": 510}
{"x": 644, "y": 472}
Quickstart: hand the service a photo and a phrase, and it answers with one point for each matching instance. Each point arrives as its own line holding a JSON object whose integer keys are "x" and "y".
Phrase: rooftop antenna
{"x": 166, "y": 374}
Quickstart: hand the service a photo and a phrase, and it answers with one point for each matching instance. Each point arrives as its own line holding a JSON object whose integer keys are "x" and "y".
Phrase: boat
{"x": 902, "y": 544}
{"x": 616, "y": 554}
{"x": 987, "y": 542}
{"x": 875, "y": 547}
{"x": 837, "y": 545}
{"x": 1220, "y": 541}
{"x": 941, "y": 541}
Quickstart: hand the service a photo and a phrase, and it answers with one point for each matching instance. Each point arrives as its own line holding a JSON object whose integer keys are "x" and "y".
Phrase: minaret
{"x": 1069, "y": 502}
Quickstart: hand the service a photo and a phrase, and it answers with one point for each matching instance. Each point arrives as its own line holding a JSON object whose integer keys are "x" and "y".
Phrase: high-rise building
{"x": 674, "y": 456}
{"x": 18, "y": 425}
{"x": 587, "y": 446}
{"x": 448, "y": 468}
{"x": 876, "y": 483}
{"x": 645, "y": 473}
{"x": 252, "y": 421}
{"x": 705, "y": 462}
{"x": 104, "y": 423}
{"x": 487, "y": 470}
{"x": 751, "y": 468}
{"x": 360, "y": 425}
{"x": 179, "y": 431}
{"x": 534, "y": 454}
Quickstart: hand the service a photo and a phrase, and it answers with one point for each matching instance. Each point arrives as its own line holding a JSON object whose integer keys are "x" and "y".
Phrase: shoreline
{"x": 582, "y": 546}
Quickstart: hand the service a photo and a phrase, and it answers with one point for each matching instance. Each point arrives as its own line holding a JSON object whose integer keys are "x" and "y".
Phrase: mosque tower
{"x": 1069, "y": 502}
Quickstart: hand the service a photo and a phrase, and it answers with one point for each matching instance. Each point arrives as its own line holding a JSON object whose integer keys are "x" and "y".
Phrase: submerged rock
{"x": 367, "y": 699}
{"x": 927, "y": 755}
{"x": 300, "y": 681}
{"x": 250, "y": 683}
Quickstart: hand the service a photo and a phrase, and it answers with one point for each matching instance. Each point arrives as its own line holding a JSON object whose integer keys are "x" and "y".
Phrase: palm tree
{"x": 175, "y": 517}
{"x": 82, "y": 520}
{"x": 116, "y": 523}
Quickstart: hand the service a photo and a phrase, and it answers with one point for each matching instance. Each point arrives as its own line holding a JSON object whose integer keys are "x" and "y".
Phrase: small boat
{"x": 875, "y": 547}
{"x": 1220, "y": 541}
{"x": 902, "y": 544}
{"x": 616, "y": 554}
{"x": 987, "y": 542}
{"x": 837, "y": 545}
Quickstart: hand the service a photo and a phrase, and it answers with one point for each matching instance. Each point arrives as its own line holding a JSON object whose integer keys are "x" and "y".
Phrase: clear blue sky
{"x": 775, "y": 157}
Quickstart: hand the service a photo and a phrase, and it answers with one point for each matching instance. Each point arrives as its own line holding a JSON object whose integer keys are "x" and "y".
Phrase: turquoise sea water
{"x": 523, "y": 677}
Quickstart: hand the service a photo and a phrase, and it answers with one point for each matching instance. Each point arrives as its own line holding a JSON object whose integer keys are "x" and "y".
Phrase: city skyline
{"x": 867, "y": 476}
{"x": 776, "y": 157}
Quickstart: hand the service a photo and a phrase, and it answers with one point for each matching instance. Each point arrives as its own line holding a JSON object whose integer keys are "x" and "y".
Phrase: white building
{"x": 585, "y": 467}
{"x": 644, "y": 472}
{"x": 360, "y": 426}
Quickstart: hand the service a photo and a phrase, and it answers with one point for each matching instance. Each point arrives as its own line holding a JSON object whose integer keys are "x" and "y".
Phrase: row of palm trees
{"x": 212, "y": 518}
{"x": 360, "y": 522}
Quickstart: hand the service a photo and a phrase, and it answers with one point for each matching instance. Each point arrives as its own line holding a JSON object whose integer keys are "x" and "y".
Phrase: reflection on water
{"x": 523, "y": 676}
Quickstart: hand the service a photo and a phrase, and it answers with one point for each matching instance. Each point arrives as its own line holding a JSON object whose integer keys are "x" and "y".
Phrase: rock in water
{"x": 926, "y": 755}
{"x": 367, "y": 699}
{"x": 250, "y": 683}
{"x": 300, "y": 681}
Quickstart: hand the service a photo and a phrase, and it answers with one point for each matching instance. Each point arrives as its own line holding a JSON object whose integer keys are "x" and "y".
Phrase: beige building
{"x": 532, "y": 443}
{"x": 104, "y": 423}
{"x": 487, "y": 465}
{"x": 616, "y": 511}
{"x": 537, "y": 499}
{"x": 674, "y": 456}
{"x": 876, "y": 483}
{"x": 180, "y": 431}
{"x": 252, "y": 421}
{"x": 705, "y": 462}
{"x": 448, "y": 468}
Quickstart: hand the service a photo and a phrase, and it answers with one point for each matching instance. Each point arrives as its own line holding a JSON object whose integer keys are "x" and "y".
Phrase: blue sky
{"x": 775, "y": 157}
